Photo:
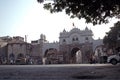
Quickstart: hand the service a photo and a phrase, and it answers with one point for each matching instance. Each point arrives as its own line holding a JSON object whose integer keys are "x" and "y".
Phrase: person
{"x": 90, "y": 59}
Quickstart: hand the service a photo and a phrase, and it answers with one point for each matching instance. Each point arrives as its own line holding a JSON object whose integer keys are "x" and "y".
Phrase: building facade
{"x": 18, "y": 51}
{"x": 74, "y": 47}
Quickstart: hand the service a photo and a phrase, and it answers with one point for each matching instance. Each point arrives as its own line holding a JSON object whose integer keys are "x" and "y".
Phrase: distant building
{"x": 3, "y": 50}
{"x": 74, "y": 47}
{"x": 18, "y": 49}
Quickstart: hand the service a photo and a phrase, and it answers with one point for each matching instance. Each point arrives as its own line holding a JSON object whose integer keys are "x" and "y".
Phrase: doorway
{"x": 76, "y": 56}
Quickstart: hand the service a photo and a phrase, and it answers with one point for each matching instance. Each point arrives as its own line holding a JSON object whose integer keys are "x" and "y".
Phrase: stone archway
{"x": 20, "y": 59}
{"x": 76, "y": 56}
{"x": 20, "y": 56}
{"x": 12, "y": 58}
{"x": 50, "y": 56}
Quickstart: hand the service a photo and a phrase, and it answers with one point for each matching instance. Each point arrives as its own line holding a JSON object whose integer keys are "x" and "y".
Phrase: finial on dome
{"x": 73, "y": 25}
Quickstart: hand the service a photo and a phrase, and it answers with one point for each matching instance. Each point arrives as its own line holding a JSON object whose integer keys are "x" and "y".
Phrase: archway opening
{"x": 12, "y": 58}
{"x": 76, "y": 56}
{"x": 20, "y": 59}
{"x": 50, "y": 56}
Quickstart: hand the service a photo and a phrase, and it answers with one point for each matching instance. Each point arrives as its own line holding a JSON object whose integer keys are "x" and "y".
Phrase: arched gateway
{"x": 76, "y": 45}
{"x": 50, "y": 56}
{"x": 76, "y": 56}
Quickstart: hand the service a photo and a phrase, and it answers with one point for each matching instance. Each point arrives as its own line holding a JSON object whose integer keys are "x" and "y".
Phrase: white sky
{"x": 27, "y": 17}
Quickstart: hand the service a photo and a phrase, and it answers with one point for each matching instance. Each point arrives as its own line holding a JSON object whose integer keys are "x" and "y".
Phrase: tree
{"x": 111, "y": 38}
{"x": 94, "y": 11}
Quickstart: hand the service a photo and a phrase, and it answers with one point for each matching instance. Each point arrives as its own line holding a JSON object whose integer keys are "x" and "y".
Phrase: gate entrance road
{"x": 60, "y": 72}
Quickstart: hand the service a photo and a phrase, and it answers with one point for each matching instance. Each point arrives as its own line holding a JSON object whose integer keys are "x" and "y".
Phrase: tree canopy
{"x": 112, "y": 37}
{"x": 93, "y": 11}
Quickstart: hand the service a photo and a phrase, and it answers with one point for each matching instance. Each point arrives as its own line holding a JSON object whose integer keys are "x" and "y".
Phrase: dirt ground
{"x": 60, "y": 72}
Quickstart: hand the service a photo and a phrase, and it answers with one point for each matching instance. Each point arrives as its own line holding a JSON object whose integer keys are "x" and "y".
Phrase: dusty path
{"x": 60, "y": 72}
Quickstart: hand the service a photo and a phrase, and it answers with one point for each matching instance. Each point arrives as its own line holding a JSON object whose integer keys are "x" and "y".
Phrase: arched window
{"x": 76, "y": 38}
{"x": 64, "y": 40}
{"x": 73, "y": 39}
{"x": 86, "y": 38}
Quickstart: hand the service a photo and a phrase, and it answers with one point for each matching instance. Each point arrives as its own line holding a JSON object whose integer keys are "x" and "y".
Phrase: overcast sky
{"x": 27, "y": 17}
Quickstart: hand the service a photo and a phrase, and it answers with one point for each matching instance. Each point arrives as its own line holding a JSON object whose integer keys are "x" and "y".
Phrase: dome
{"x": 41, "y": 36}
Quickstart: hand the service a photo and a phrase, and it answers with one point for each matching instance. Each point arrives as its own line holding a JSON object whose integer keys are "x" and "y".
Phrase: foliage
{"x": 95, "y": 11}
{"x": 111, "y": 38}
